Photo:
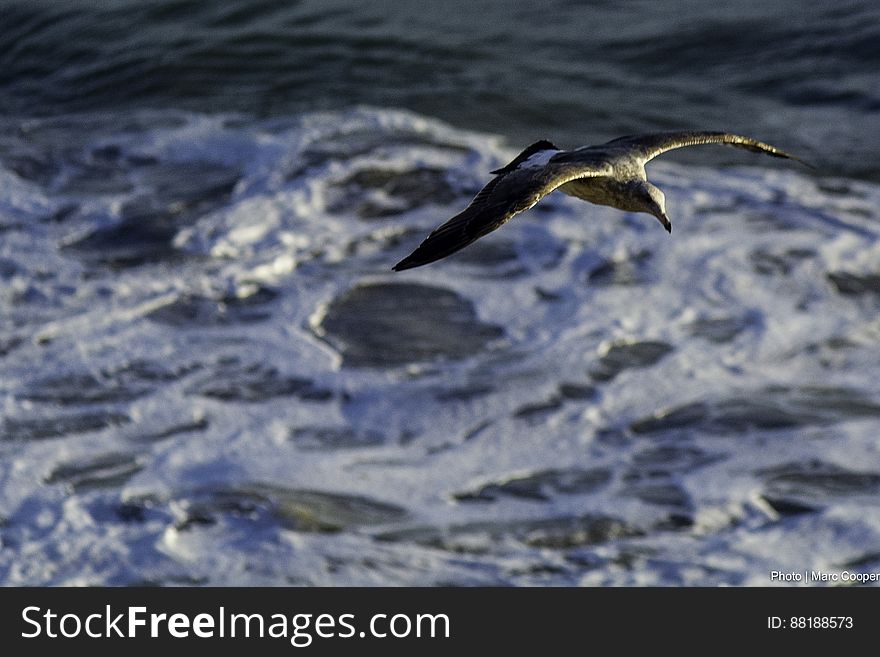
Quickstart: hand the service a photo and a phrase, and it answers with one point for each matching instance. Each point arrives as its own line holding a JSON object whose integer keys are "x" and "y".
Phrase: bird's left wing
{"x": 497, "y": 203}
{"x": 650, "y": 146}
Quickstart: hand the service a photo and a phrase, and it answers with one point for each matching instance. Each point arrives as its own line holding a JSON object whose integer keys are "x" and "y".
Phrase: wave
{"x": 207, "y": 363}
{"x": 807, "y": 83}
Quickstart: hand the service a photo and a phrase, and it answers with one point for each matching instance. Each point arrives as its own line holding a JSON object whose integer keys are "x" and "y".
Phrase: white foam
{"x": 286, "y": 224}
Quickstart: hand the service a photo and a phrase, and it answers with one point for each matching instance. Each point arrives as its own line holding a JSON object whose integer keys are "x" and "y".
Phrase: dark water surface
{"x": 800, "y": 75}
{"x": 209, "y": 373}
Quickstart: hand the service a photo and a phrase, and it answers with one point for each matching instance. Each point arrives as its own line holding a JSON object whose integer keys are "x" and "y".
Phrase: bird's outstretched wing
{"x": 499, "y": 201}
{"x": 652, "y": 145}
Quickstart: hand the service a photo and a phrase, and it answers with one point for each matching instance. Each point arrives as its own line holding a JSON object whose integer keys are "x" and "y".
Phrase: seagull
{"x": 610, "y": 174}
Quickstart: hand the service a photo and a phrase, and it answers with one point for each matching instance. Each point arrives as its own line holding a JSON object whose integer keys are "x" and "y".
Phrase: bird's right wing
{"x": 497, "y": 203}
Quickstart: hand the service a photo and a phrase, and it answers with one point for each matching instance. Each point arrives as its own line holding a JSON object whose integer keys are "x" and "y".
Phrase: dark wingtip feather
{"x": 788, "y": 156}
{"x": 812, "y": 167}
{"x": 410, "y": 262}
{"x": 424, "y": 256}
{"x": 766, "y": 149}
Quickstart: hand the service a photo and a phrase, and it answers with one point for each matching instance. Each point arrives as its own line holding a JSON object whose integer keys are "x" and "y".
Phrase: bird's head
{"x": 653, "y": 201}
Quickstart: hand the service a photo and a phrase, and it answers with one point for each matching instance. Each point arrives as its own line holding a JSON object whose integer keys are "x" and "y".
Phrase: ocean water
{"x": 209, "y": 373}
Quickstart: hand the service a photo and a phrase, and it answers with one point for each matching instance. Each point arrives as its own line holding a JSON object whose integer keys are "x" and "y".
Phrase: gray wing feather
{"x": 652, "y": 145}
{"x": 498, "y": 202}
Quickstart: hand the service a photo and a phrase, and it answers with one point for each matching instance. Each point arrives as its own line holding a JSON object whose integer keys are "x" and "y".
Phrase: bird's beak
{"x": 663, "y": 219}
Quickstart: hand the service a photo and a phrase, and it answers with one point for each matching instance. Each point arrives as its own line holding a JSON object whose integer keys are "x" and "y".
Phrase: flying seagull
{"x": 611, "y": 174}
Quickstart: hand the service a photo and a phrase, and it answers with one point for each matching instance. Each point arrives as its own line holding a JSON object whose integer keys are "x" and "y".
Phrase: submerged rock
{"x": 541, "y": 485}
{"x": 464, "y": 393}
{"x": 196, "y": 311}
{"x": 292, "y": 508}
{"x": 103, "y": 471}
{"x": 775, "y": 407}
{"x": 128, "y": 382}
{"x": 134, "y": 241}
{"x": 672, "y": 458}
{"x": 392, "y": 324}
{"x": 195, "y": 425}
{"x": 817, "y": 481}
{"x": 40, "y": 428}
{"x": 75, "y": 389}
{"x": 255, "y": 383}
{"x": 327, "y": 438}
{"x": 537, "y": 411}
{"x": 8, "y": 344}
{"x": 554, "y": 533}
{"x": 621, "y": 356}
{"x": 181, "y": 192}
{"x": 781, "y": 263}
{"x": 849, "y": 284}
{"x": 719, "y": 330}
{"x": 377, "y": 193}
